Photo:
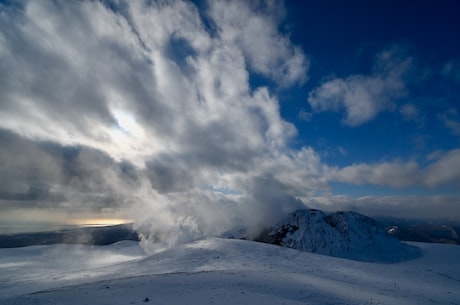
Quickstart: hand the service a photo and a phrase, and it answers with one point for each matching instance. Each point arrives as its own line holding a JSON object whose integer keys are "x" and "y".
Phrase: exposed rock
{"x": 341, "y": 234}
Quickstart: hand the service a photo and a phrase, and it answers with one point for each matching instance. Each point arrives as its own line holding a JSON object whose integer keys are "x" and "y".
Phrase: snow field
{"x": 221, "y": 271}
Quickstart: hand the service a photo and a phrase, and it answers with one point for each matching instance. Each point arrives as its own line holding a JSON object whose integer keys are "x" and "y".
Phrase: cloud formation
{"x": 451, "y": 120}
{"x": 395, "y": 174}
{"x": 451, "y": 69}
{"x": 145, "y": 110}
{"x": 252, "y": 26}
{"x": 362, "y": 97}
{"x": 441, "y": 169}
{"x": 408, "y": 206}
{"x": 150, "y": 103}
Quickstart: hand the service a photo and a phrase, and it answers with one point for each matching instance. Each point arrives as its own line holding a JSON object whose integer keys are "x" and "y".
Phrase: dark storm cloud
{"x": 27, "y": 172}
{"x": 50, "y": 176}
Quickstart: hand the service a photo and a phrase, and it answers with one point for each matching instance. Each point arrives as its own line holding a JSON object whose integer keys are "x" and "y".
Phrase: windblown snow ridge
{"x": 341, "y": 234}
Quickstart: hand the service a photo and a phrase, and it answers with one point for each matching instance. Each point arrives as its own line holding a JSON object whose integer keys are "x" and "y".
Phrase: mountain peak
{"x": 342, "y": 234}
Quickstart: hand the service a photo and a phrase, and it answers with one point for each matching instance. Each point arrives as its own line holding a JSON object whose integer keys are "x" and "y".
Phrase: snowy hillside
{"x": 341, "y": 234}
{"x": 221, "y": 271}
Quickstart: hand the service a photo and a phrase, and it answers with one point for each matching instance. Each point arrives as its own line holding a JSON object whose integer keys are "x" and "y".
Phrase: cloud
{"x": 451, "y": 69}
{"x": 144, "y": 109}
{"x": 410, "y": 112}
{"x": 451, "y": 120}
{"x": 394, "y": 174}
{"x": 65, "y": 179}
{"x": 62, "y": 84}
{"x": 88, "y": 75}
{"x": 252, "y": 26}
{"x": 362, "y": 97}
{"x": 304, "y": 115}
{"x": 27, "y": 171}
{"x": 442, "y": 170}
{"x": 408, "y": 206}
{"x": 147, "y": 106}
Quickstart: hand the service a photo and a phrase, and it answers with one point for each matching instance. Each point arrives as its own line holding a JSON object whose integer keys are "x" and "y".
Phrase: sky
{"x": 190, "y": 118}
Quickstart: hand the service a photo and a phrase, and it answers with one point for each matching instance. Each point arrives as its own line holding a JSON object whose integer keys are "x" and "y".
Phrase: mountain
{"x": 443, "y": 231}
{"x": 443, "y": 234}
{"x": 341, "y": 234}
{"x": 105, "y": 235}
{"x": 221, "y": 271}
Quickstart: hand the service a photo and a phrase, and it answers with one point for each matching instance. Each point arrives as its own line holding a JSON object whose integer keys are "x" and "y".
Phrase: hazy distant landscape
{"x": 98, "y": 235}
{"x": 402, "y": 229}
{"x": 430, "y": 231}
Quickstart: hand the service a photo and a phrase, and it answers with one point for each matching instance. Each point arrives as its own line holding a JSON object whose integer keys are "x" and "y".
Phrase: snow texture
{"x": 341, "y": 234}
{"x": 221, "y": 271}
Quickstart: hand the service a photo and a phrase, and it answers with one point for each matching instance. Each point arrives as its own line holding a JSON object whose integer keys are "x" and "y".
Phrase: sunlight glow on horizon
{"x": 99, "y": 221}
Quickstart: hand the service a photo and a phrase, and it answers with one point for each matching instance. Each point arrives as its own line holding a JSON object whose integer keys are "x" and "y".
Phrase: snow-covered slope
{"x": 221, "y": 271}
{"x": 341, "y": 234}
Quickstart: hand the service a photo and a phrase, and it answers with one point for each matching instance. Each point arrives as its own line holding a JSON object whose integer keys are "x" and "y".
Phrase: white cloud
{"x": 253, "y": 27}
{"x": 451, "y": 120}
{"x": 443, "y": 169}
{"x": 410, "y": 112}
{"x": 407, "y": 206}
{"x": 145, "y": 107}
{"x": 158, "y": 109}
{"x": 364, "y": 96}
{"x": 395, "y": 174}
{"x": 82, "y": 71}
{"x": 453, "y": 125}
{"x": 451, "y": 70}
{"x": 304, "y": 115}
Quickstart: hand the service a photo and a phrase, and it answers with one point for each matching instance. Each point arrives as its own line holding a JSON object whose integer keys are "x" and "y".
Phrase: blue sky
{"x": 345, "y": 41}
{"x": 205, "y": 115}
{"x": 345, "y": 38}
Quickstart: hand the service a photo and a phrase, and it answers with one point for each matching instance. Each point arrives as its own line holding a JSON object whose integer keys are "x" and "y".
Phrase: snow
{"x": 341, "y": 234}
{"x": 222, "y": 271}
